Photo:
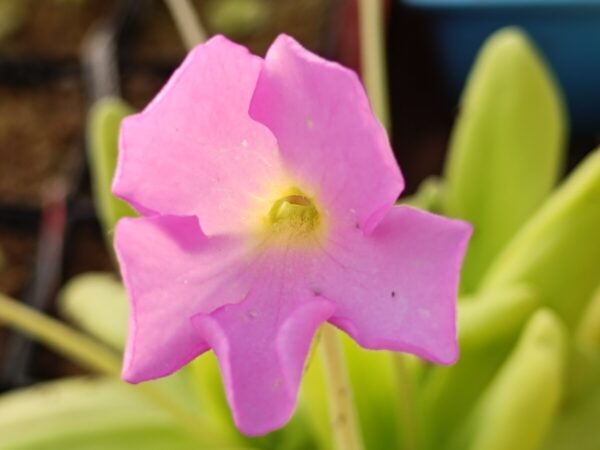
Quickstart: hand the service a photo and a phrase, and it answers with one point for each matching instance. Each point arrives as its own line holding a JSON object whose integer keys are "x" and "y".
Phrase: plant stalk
{"x": 372, "y": 56}
{"x": 407, "y": 405}
{"x": 187, "y": 22}
{"x": 344, "y": 418}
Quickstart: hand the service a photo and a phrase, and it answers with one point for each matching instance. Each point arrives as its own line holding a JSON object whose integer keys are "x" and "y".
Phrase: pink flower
{"x": 267, "y": 191}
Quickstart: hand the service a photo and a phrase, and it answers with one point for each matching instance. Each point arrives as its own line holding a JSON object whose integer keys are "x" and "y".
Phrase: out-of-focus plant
{"x": 529, "y": 320}
{"x": 12, "y": 16}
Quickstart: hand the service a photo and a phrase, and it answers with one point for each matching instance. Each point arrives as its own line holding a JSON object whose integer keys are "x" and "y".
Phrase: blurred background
{"x": 57, "y": 57}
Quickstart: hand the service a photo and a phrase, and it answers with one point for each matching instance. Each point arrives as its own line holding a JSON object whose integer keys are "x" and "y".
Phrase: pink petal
{"x": 262, "y": 345}
{"x": 396, "y": 288}
{"x": 327, "y": 134}
{"x": 172, "y": 272}
{"x": 194, "y": 150}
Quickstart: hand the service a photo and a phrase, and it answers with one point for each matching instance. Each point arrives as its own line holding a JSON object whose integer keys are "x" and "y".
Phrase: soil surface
{"x": 51, "y": 29}
{"x": 40, "y": 130}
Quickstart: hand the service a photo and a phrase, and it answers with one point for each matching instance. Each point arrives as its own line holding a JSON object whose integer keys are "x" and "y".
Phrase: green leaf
{"x": 429, "y": 196}
{"x": 313, "y": 398}
{"x": 375, "y": 391}
{"x": 97, "y": 303}
{"x": 103, "y": 124}
{"x": 577, "y": 426}
{"x": 558, "y": 251}
{"x": 501, "y": 314}
{"x": 506, "y": 149}
{"x": 488, "y": 329}
{"x": 518, "y": 409}
{"x": 587, "y": 333}
{"x": 86, "y": 414}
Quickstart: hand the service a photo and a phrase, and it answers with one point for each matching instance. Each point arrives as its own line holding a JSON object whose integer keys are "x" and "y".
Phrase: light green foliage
{"x": 506, "y": 149}
{"x": 488, "y": 329}
{"x": 429, "y": 196}
{"x": 372, "y": 378}
{"x": 86, "y": 414}
{"x": 587, "y": 334}
{"x": 97, "y": 302}
{"x": 558, "y": 251}
{"x": 577, "y": 426}
{"x": 518, "y": 408}
{"x": 103, "y": 124}
{"x": 485, "y": 321}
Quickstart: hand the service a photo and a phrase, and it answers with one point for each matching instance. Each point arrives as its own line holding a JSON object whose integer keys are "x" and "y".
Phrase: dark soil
{"x": 53, "y": 29}
{"x": 40, "y": 130}
{"x": 17, "y": 245}
{"x": 140, "y": 86}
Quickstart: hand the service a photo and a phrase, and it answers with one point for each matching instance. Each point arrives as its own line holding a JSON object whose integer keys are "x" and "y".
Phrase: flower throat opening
{"x": 294, "y": 212}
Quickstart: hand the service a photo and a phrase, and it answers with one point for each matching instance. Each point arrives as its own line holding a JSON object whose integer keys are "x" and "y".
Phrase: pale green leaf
{"x": 86, "y": 414}
{"x": 488, "y": 329}
{"x": 506, "y": 149}
{"x": 587, "y": 333}
{"x": 577, "y": 426}
{"x": 518, "y": 409}
{"x": 97, "y": 303}
{"x": 558, "y": 251}
{"x": 103, "y": 124}
{"x": 429, "y": 196}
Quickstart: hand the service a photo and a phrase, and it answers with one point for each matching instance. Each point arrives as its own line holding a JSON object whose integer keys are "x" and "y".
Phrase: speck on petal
{"x": 172, "y": 271}
{"x": 396, "y": 288}
{"x": 327, "y": 133}
{"x": 194, "y": 150}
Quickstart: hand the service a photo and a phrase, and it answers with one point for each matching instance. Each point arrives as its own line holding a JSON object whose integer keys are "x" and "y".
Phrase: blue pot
{"x": 566, "y": 31}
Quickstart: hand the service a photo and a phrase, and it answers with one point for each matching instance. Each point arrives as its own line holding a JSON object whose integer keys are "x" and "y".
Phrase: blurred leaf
{"x": 97, "y": 303}
{"x": 506, "y": 149}
{"x": 86, "y": 414}
{"x": 237, "y": 18}
{"x": 518, "y": 409}
{"x": 13, "y": 14}
{"x": 104, "y": 120}
{"x": 375, "y": 390}
{"x": 558, "y": 251}
{"x": 428, "y": 196}
{"x": 481, "y": 323}
{"x": 577, "y": 426}
{"x": 488, "y": 329}
{"x": 587, "y": 333}
{"x": 313, "y": 398}
{"x": 584, "y": 368}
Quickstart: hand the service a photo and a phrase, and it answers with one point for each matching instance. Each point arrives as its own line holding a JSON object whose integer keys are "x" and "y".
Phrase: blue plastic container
{"x": 566, "y": 31}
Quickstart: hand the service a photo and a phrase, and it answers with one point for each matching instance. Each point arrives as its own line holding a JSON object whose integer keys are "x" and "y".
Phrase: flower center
{"x": 294, "y": 212}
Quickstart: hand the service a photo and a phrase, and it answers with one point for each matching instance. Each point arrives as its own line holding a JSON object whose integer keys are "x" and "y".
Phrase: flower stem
{"x": 346, "y": 430}
{"x": 406, "y": 403}
{"x": 90, "y": 354}
{"x": 187, "y": 22}
{"x": 372, "y": 53}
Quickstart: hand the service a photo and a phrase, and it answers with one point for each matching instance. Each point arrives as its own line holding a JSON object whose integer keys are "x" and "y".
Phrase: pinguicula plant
{"x": 267, "y": 190}
{"x": 264, "y": 215}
